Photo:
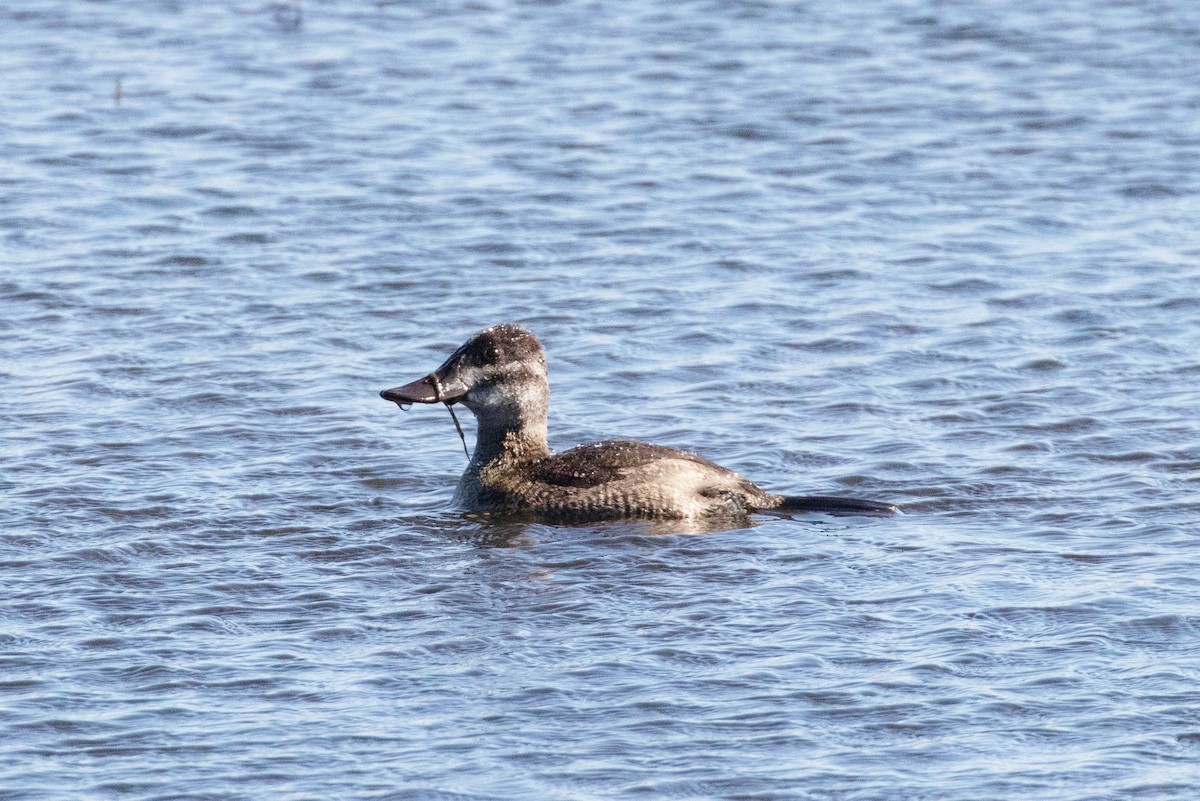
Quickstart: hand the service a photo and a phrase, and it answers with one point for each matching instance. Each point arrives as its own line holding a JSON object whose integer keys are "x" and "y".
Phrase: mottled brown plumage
{"x": 500, "y": 375}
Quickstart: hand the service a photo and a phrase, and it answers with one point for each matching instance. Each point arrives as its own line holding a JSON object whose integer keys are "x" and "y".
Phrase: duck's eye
{"x": 491, "y": 355}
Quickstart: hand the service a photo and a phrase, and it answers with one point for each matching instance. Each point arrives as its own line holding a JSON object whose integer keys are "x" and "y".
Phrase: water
{"x": 938, "y": 253}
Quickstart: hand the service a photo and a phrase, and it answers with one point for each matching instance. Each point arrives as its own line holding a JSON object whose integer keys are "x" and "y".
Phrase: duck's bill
{"x": 425, "y": 390}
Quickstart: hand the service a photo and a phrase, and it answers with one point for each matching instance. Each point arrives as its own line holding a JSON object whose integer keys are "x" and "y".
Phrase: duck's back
{"x": 621, "y": 479}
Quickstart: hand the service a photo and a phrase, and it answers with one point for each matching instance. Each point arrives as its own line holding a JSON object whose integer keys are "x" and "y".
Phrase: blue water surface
{"x": 938, "y": 253}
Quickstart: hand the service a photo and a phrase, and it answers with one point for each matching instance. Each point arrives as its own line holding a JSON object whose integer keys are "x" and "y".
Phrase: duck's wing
{"x": 599, "y": 463}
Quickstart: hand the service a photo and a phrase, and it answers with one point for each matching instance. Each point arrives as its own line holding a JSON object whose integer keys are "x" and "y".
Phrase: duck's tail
{"x": 830, "y": 505}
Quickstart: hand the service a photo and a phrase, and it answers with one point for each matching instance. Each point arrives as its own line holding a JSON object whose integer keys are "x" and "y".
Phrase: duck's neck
{"x": 511, "y": 431}
{"x": 496, "y": 449}
{"x": 512, "y": 425}
{"x": 521, "y": 442}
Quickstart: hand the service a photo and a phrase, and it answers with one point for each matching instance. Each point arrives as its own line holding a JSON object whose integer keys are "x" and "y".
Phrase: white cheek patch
{"x": 486, "y": 398}
{"x": 530, "y": 396}
{"x": 513, "y": 388}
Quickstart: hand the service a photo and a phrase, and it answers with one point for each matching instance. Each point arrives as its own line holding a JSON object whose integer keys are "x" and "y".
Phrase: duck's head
{"x": 499, "y": 374}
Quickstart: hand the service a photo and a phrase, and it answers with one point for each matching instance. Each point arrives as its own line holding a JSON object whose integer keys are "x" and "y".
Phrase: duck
{"x": 500, "y": 375}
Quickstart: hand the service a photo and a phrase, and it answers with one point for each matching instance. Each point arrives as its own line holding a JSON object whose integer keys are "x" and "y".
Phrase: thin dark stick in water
{"x": 437, "y": 396}
{"x": 461, "y": 435}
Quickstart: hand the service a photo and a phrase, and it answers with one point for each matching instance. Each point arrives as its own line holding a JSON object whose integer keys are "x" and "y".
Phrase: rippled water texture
{"x": 938, "y": 253}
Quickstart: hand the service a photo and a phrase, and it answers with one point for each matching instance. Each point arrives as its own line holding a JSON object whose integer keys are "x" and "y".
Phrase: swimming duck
{"x": 500, "y": 375}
